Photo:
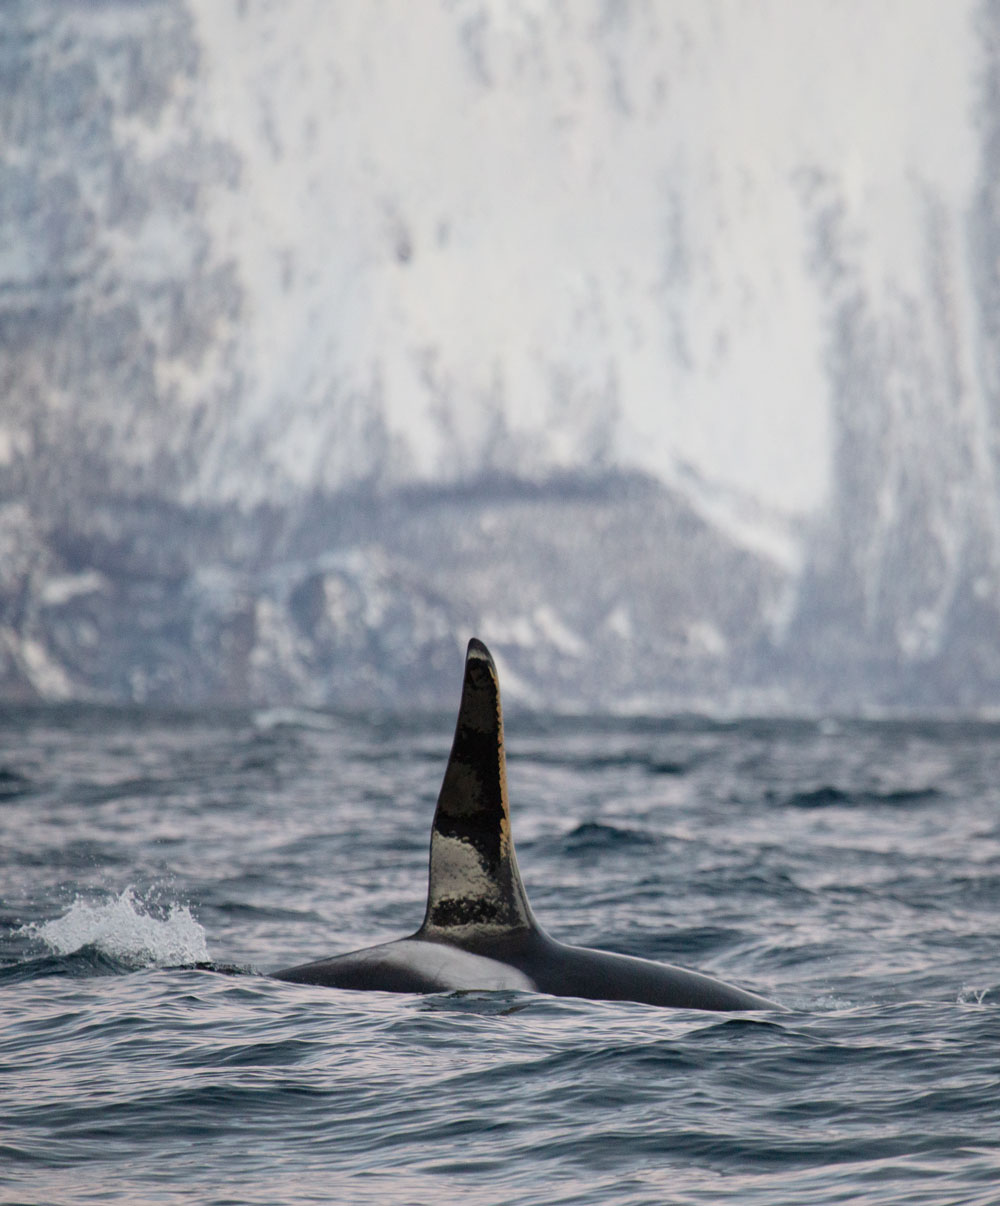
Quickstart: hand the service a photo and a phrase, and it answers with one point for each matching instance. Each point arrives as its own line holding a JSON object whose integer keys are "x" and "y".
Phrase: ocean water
{"x": 155, "y": 866}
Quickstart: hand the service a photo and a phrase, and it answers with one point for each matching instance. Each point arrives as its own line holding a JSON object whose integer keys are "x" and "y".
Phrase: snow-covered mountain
{"x": 656, "y": 343}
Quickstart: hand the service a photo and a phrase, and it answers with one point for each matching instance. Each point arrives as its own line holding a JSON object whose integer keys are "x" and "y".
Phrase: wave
{"x": 85, "y": 962}
{"x": 266, "y": 720}
{"x": 828, "y": 795}
{"x": 13, "y": 783}
{"x": 596, "y": 835}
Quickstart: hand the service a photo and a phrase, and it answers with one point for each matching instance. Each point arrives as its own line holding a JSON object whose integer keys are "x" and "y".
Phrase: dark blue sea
{"x": 155, "y": 866}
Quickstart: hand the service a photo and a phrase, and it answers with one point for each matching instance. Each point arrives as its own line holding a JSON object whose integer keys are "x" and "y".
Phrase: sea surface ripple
{"x": 156, "y": 864}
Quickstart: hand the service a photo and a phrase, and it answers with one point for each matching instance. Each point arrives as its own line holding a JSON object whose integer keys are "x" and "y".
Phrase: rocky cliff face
{"x": 586, "y": 590}
{"x": 315, "y": 361}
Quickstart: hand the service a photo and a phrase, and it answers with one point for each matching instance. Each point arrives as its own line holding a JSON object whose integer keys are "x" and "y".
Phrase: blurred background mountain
{"x": 656, "y": 343}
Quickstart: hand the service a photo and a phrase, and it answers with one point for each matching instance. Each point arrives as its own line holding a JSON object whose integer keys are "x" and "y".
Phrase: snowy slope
{"x": 724, "y": 275}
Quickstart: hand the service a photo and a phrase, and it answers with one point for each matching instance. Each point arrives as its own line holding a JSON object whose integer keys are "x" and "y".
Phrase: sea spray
{"x": 124, "y": 928}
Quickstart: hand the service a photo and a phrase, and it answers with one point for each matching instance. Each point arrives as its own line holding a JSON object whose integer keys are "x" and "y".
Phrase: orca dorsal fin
{"x": 474, "y": 885}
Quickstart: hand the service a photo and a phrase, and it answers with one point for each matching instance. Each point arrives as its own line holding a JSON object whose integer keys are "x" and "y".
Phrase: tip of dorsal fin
{"x": 474, "y": 884}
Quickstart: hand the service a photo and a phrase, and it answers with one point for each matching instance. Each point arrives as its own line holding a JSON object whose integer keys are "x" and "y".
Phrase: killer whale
{"x": 479, "y": 931}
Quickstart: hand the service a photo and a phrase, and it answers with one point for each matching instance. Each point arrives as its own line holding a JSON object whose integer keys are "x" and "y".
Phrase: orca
{"x": 479, "y": 932}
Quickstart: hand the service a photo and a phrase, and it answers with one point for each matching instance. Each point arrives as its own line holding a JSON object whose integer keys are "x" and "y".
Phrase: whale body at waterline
{"x": 479, "y": 932}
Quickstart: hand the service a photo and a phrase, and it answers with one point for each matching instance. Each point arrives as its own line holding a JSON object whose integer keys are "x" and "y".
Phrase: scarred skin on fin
{"x": 474, "y": 885}
{"x": 479, "y": 931}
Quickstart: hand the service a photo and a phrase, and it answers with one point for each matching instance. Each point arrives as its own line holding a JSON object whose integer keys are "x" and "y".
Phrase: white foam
{"x": 124, "y": 929}
{"x": 970, "y": 995}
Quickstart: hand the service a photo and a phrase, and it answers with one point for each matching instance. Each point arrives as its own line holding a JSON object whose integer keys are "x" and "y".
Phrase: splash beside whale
{"x": 479, "y": 932}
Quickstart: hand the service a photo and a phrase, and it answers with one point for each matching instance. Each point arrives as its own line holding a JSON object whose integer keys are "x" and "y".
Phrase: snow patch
{"x": 59, "y": 590}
